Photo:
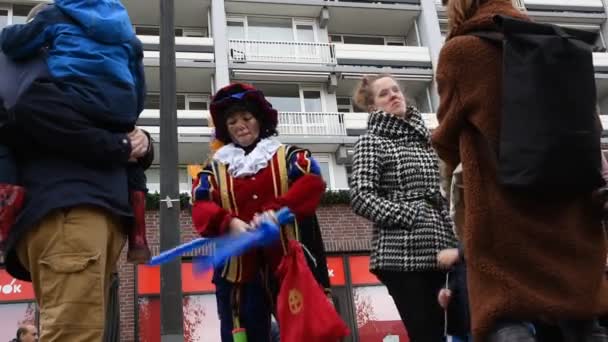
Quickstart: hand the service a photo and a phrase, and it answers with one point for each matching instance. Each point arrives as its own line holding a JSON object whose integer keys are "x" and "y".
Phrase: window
{"x": 363, "y": 40}
{"x": 3, "y": 17}
{"x": 152, "y": 101}
{"x": 181, "y": 102}
{"x": 367, "y": 40}
{"x": 236, "y": 29}
{"x": 184, "y": 102}
{"x": 153, "y": 180}
{"x": 13, "y": 315}
{"x": 305, "y": 33}
{"x": 198, "y": 33}
{"x": 395, "y": 42}
{"x": 284, "y": 97}
{"x": 20, "y": 13}
{"x": 335, "y": 38}
{"x": 201, "y": 322}
{"x": 324, "y": 161}
{"x": 154, "y": 31}
{"x": 375, "y": 312}
{"x": 275, "y": 29}
{"x": 147, "y": 31}
{"x": 196, "y": 102}
{"x": 293, "y": 97}
{"x": 344, "y": 105}
{"x": 376, "y": 315}
{"x": 312, "y": 101}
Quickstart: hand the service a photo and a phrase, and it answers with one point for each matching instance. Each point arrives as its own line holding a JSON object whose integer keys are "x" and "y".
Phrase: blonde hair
{"x": 363, "y": 96}
{"x": 460, "y": 11}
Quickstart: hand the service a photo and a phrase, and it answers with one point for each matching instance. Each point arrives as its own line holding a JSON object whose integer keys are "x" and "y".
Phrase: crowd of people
{"x": 72, "y": 191}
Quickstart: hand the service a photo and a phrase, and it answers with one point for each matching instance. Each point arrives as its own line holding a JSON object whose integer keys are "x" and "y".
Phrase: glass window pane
{"x": 178, "y": 32}
{"x": 149, "y": 319}
{"x": 236, "y": 30}
{"x": 181, "y": 102}
{"x": 147, "y": 31}
{"x": 197, "y": 105}
{"x": 334, "y": 38}
{"x": 3, "y": 18}
{"x": 343, "y": 101}
{"x": 376, "y": 314}
{"x": 152, "y": 101}
{"x": 12, "y": 316}
{"x": 324, "y": 166}
{"x": 273, "y": 29}
{"x": 305, "y": 33}
{"x": 201, "y": 322}
{"x": 153, "y": 180}
{"x": 20, "y": 13}
{"x": 283, "y": 97}
{"x": 184, "y": 181}
{"x": 312, "y": 101}
{"x": 363, "y": 40}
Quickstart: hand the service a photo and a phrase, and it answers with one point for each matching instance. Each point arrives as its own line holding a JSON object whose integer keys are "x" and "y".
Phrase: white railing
{"x": 281, "y": 52}
{"x": 296, "y": 123}
{"x": 358, "y": 121}
{"x": 384, "y": 55}
{"x": 560, "y": 5}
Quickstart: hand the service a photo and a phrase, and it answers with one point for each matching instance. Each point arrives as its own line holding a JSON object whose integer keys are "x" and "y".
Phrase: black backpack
{"x": 550, "y": 130}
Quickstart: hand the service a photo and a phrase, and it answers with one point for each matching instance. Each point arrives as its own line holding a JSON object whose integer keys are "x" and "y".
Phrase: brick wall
{"x": 342, "y": 230}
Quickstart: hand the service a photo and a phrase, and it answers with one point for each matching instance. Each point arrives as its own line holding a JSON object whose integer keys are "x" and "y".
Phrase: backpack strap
{"x": 491, "y": 36}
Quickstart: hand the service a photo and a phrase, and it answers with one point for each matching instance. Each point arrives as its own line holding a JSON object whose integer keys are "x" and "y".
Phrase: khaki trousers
{"x": 71, "y": 255}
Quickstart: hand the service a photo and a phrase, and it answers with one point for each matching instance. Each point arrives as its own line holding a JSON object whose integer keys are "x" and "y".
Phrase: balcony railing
{"x": 320, "y": 124}
{"x": 281, "y": 52}
{"x": 358, "y": 121}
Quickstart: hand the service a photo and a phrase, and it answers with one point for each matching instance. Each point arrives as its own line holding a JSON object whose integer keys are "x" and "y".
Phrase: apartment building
{"x": 306, "y": 55}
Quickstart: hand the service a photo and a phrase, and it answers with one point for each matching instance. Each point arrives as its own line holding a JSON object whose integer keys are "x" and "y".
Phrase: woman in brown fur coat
{"x": 527, "y": 259}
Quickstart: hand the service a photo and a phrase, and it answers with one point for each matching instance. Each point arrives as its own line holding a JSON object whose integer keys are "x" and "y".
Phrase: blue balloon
{"x": 225, "y": 247}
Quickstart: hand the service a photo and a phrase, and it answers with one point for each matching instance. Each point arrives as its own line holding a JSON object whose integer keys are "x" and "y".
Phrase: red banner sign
{"x": 335, "y": 268}
{"x": 13, "y": 290}
{"x": 148, "y": 280}
{"x": 359, "y": 271}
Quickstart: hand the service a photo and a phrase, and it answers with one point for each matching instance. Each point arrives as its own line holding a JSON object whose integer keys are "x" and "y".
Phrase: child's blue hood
{"x": 106, "y": 21}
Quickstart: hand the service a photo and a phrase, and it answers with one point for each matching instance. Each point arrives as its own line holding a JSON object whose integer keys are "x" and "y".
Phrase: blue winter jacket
{"x": 93, "y": 54}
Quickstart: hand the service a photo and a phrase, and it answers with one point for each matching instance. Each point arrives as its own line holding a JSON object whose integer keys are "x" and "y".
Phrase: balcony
{"x": 564, "y": 5}
{"x": 378, "y": 1}
{"x": 311, "y": 124}
{"x": 356, "y": 123}
{"x": 290, "y": 123}
{"x": 188, "y": 50}
{"x": 182, "y": 44}
{"x": 382, "y": 55}
{"x": 257, "y": 51}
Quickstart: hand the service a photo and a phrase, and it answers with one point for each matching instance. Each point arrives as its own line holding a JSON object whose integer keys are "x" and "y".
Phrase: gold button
{"x": 252, "y": 178}
{"x": 255, "y": 197}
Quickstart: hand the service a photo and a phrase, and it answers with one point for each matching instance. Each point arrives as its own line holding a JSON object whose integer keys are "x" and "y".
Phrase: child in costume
{"x": 247, "y": 178}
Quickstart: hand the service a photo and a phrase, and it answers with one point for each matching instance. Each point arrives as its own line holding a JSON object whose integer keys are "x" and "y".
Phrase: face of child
{"x": 243, "y": 127}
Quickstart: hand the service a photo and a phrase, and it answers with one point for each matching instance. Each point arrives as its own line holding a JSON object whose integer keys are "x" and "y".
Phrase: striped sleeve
{"x": 208, "y": 217}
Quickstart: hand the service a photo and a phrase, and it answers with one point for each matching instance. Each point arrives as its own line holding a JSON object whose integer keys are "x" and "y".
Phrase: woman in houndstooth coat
{"x": 395, "y": 184}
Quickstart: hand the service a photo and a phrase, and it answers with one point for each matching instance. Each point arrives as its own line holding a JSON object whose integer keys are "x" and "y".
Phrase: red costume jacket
{"x": 292, "y": 178}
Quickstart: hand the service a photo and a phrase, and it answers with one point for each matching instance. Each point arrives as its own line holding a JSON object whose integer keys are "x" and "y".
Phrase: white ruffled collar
{"x": 241, "y": 165}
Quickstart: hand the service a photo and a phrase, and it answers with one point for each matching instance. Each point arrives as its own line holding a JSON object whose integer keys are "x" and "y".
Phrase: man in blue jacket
{"x": 95, "y": 68}
{"x": 71, "y": 230}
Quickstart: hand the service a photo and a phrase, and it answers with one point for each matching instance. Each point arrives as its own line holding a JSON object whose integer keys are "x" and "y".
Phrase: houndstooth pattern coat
{"x": 395, "y": 184}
